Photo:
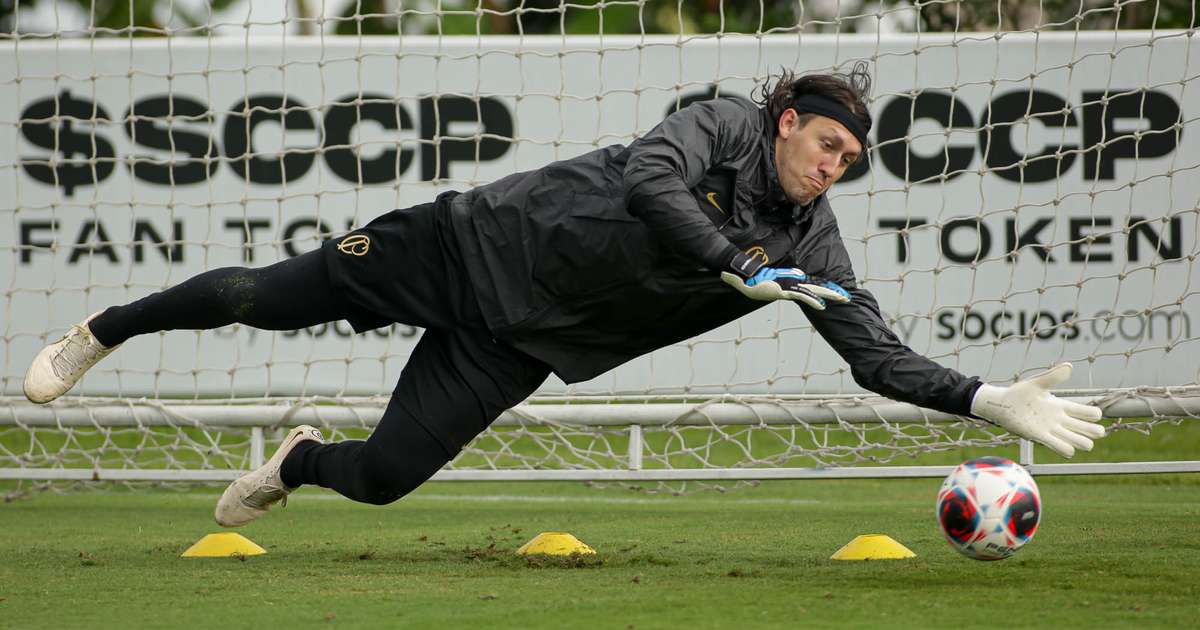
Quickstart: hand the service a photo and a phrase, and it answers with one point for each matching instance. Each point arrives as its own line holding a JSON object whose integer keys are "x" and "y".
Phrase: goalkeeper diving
{"x": 574, "y": 269}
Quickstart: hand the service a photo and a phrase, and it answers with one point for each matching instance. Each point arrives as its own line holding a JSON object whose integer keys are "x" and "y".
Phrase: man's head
{"x": 821, "y": 122}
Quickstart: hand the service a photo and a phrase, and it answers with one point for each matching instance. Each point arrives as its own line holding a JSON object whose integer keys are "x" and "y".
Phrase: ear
{"x": 787, "y": 122}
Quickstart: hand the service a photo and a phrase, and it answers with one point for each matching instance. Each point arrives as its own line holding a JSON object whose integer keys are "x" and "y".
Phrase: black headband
{"x": 824, "y": 106}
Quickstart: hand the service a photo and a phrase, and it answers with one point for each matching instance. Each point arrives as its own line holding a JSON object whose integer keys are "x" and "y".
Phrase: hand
{"x": 1029, "y": 410}
{"x": 773, "y": 283}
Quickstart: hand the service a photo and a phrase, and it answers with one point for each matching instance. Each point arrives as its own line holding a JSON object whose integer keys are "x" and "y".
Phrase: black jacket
{"x": 593, "y": 261}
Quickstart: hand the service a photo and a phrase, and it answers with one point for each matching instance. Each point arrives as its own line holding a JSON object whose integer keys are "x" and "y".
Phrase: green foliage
{"x": 140, "y": 18}
{"x": 972, "y": 15}
{"x": 611, "y": 17}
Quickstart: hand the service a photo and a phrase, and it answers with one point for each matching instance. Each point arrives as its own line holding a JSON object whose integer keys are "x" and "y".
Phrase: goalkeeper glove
{"x": 1029, "y": 410}
{"x": 759, "y": 282}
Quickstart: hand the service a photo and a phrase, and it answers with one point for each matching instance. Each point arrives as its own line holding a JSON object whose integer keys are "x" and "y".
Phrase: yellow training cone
{"x": 555, "y": 544}
{"x": 873, "y": 547}
{"x": 223, "y": 545}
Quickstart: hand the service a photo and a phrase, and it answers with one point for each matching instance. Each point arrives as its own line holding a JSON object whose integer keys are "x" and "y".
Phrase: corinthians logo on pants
{"x": 355, "y": 245}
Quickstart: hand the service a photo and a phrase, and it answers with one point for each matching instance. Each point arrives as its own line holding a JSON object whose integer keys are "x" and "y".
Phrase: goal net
{"x": 1031, "y": 197}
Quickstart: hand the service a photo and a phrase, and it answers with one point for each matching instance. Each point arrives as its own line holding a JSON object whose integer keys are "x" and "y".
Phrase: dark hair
{"x": 851, "y": 90}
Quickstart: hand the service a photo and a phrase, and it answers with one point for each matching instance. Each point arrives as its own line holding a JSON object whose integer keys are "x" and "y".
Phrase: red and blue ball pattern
{"x": 958, "y": 515}
{"x": 988, "y": 508}
{"x": 1023, "y": 514}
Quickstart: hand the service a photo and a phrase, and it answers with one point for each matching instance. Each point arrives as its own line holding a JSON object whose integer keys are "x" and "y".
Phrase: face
{"x": 810, "y": 158}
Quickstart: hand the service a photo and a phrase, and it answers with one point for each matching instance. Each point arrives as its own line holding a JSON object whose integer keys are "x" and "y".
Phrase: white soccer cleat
{"x": 61, "y": 364}
{"x": 252, "y": 494}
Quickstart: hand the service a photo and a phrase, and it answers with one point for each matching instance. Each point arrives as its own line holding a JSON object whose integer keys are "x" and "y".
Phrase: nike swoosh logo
{"x": 712, "y": 198}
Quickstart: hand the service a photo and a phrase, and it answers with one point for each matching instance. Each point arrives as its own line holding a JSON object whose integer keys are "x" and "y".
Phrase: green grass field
{"x": 1111, "y": 551}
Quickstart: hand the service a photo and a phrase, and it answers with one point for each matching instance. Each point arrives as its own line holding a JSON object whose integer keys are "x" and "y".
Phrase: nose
{"x": 826, "y": 168}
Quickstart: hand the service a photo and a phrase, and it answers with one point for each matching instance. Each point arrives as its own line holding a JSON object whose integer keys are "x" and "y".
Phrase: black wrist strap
{"x": 746, "y": 265}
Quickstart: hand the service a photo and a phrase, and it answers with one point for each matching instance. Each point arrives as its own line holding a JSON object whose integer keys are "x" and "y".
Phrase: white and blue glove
{"x": 775, "y": 283}
{"x": 1028, "y": 409}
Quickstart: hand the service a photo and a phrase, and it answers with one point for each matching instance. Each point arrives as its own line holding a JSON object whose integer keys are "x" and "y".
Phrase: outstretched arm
{"x": 881, "y": 363}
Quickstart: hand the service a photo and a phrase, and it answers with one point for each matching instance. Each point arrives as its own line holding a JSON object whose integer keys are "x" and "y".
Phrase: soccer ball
{"x": 989, "y": 508}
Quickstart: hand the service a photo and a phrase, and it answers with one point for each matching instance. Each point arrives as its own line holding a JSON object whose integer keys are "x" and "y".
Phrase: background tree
{"x": 140, "y": 18}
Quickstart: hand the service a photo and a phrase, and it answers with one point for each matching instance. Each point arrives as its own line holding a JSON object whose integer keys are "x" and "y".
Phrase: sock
{"x": 100, "y": 330}
{"x": 289, "y": 470}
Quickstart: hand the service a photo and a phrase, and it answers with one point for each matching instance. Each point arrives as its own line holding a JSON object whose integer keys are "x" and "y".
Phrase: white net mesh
{"x": 1030, "y": 198}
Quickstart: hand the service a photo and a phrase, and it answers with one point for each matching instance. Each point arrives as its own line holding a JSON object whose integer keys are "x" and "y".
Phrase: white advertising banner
{"x": 1030, "y": 198}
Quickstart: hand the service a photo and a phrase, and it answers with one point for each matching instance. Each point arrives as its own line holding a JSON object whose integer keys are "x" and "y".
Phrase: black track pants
{"x": 456, "y": 383}
{"x": 294, "y": 293}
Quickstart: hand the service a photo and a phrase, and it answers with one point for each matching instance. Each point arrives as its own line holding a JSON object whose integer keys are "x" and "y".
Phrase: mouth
{"x": 815, "y": 182}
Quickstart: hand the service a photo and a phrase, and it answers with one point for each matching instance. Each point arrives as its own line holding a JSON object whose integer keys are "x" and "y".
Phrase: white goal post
{"x": 1030, "y": 197}
{"x": 558, "y": 439}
